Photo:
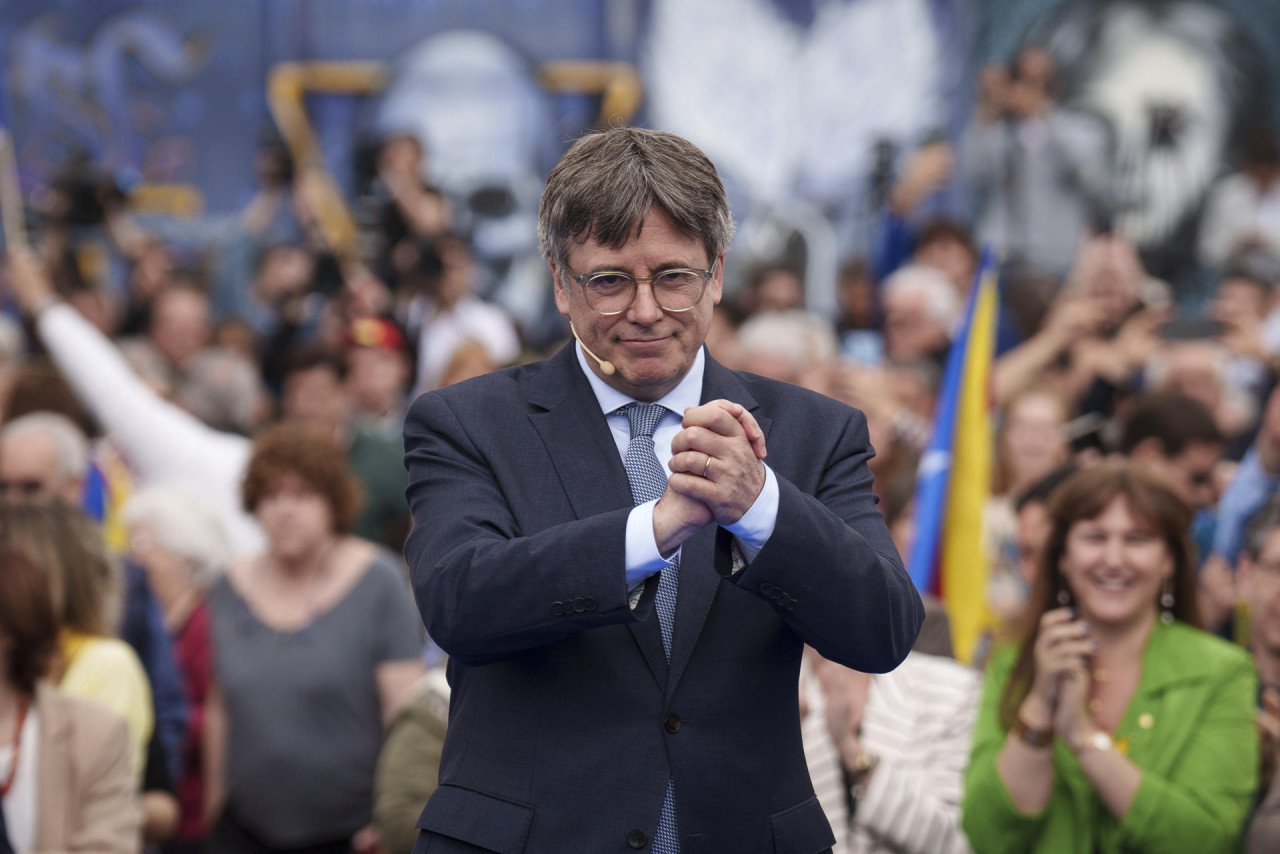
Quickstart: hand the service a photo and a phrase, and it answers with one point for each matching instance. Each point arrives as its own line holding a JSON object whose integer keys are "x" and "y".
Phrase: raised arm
{"x": 153, "y": 433}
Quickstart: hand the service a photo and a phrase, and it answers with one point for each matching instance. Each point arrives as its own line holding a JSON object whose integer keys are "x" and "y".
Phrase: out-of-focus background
{"x": 258, "y": 229}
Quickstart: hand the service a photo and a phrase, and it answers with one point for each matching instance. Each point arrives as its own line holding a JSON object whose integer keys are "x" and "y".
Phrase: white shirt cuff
{"x": 643, "y": 558}
{"x": 755, "y": 527}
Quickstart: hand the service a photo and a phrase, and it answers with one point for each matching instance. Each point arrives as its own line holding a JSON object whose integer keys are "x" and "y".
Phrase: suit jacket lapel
{"x": 699, "y": 579}
{"x": 567, "y": 416}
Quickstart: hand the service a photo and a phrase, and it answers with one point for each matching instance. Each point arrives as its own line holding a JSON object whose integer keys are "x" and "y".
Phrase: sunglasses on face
{"x": 21, "y": 488}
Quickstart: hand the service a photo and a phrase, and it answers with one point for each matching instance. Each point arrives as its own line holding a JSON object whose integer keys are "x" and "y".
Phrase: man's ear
{"x": 558, "y": 289}
{"x": 717, "y": 282}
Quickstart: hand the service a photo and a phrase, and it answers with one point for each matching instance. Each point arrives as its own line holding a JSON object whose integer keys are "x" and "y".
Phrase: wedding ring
{"x": 707, "y": 467}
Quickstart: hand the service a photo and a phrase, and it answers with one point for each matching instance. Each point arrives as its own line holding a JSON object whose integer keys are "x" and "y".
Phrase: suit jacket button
{"x": 557, "y": 608}
{"x": 672, "y": 723}
{"x": 636, "y": 838}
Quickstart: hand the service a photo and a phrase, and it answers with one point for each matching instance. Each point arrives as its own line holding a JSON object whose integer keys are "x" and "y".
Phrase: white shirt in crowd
{"x": 919, "y": 721}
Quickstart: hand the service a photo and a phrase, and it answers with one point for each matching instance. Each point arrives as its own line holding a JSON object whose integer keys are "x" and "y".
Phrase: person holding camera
{"x": 1038, "y": 170}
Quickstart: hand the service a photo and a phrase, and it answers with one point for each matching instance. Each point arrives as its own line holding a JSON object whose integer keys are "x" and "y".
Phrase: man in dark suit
{"x": 625, "y": 590}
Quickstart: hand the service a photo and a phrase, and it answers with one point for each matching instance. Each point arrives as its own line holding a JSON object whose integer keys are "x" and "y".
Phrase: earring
{"x": 1166, "y": 603}
{"x": 1064, "y": 596}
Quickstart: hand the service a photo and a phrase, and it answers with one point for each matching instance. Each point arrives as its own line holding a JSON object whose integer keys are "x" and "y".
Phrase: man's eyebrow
{"x": 624, "y": 268}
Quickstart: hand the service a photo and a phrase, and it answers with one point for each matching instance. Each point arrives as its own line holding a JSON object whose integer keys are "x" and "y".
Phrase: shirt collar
{"x": 687, "y": 393}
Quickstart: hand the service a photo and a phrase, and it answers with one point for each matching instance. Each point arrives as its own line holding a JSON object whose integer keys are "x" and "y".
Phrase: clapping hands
{"x": 1061, "y": 686}
{"x": 716, "y": 468}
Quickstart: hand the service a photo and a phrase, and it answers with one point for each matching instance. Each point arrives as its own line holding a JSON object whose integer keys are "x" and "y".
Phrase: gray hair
{"x": 182, "y": 523}
{"x": 798, "y": 336}
{"x": 70, "y": 446}
{"x": 607, "y": 182}
{"x": 222, "y": 389}
{"x": 942, "y": 303}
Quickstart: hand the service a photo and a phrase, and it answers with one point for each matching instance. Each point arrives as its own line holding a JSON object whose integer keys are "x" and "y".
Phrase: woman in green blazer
{"x": 1115, "y": 726}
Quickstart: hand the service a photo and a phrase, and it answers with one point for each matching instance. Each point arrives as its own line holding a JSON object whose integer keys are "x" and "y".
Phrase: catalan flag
{"x": 954, "y": 479}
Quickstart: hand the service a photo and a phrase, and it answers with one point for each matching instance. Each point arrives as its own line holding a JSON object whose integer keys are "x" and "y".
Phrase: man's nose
{"x": 644, "y": 309}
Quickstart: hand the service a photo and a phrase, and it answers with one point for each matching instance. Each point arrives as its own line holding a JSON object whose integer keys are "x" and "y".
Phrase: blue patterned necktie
{"x": 648, "y": 482}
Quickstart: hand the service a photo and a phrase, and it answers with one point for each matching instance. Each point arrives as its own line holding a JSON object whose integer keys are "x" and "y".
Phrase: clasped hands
{"x": 1059, "y": 694}
{"x": 716, "y": 472}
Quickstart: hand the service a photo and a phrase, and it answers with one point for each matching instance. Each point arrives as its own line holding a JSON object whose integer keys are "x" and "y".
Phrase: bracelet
{"x": 1030, "y": 736}
{"x": 1098, "y": 741}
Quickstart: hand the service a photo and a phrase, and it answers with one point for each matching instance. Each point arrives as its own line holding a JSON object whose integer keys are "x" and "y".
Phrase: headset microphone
{"x": 606, "y": 367}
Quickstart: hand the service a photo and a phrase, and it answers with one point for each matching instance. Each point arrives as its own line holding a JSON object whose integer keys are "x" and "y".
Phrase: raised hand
{"x": 1062, "y": 648}
{"x": 749, "y": 426}
{"x": 28, "y": 280}
{"x": 715, "y": 459}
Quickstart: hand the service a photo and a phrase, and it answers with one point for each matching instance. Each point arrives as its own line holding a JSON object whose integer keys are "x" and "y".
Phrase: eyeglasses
{"x": 611, "y": 292}
{"x": 21, "y": 489}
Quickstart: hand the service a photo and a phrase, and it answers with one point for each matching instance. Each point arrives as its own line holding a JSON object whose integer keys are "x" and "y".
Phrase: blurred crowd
{"x": 209, "y": 637}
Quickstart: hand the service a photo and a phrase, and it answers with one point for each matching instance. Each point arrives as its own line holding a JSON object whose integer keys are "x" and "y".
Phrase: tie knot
{"x": 644, "y": 418}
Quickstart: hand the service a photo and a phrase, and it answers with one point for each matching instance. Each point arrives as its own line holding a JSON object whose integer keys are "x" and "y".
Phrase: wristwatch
{"x": 1098, "y": 740}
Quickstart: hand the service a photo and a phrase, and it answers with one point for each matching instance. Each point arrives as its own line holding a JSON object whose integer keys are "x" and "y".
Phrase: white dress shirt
{"x": 751, "y": 532}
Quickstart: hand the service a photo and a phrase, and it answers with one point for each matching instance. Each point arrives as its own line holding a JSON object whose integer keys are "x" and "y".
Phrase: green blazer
{"x": 1189, "y": 727}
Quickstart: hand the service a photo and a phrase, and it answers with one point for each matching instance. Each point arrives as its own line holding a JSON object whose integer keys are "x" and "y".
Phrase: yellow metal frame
{"x": 287, "y": 86}
{"x": 616, "y": 81}
{"x": 182, "y": 200}
{"x": 289, "y": 83}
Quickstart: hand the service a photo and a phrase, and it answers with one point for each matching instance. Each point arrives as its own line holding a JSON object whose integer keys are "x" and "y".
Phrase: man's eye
{"x": 676, "y": 279}
{"x": 608, "y": 282}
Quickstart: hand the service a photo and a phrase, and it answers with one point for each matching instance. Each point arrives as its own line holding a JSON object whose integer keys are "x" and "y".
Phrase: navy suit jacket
{"x": 566, "y": 719}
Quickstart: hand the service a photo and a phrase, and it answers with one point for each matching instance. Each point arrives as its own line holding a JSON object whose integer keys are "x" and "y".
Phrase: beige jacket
{"x": 86, "y": 794}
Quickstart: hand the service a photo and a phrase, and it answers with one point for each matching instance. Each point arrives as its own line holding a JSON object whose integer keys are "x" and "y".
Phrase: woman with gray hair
{"x": 180, "y": 543}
